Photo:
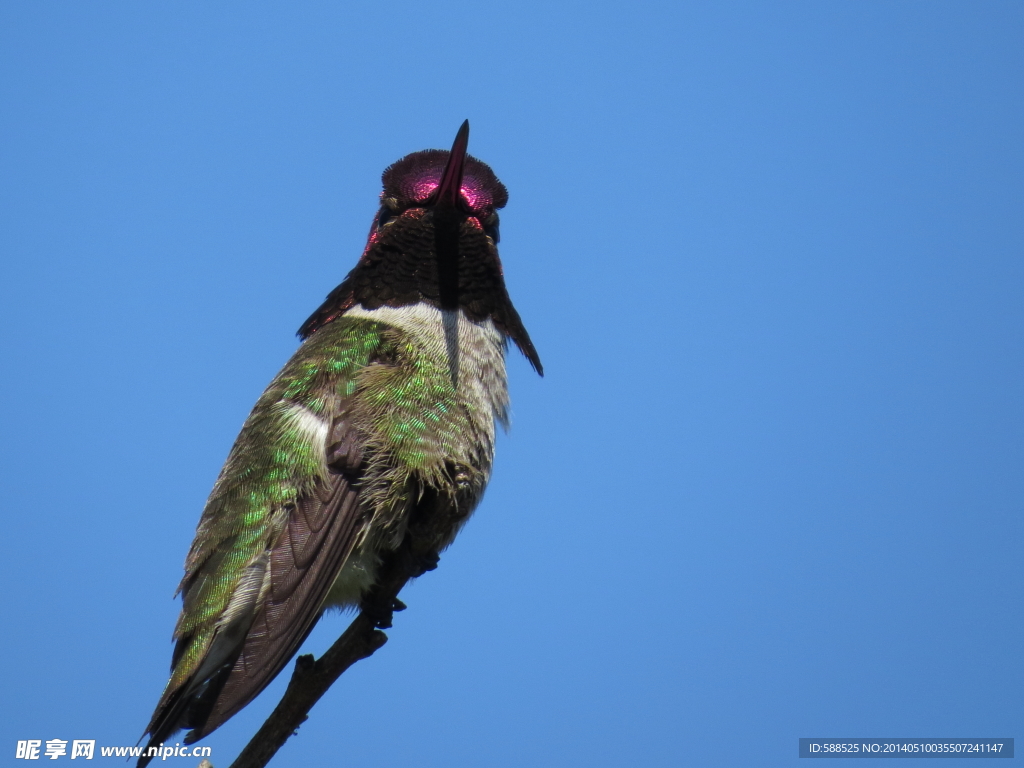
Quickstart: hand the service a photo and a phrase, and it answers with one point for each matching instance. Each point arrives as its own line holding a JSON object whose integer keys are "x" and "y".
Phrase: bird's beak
{"x": 449, "y": 191}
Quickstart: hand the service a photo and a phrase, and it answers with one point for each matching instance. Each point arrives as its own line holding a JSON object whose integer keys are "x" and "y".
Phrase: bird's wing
{"x": 320, "y": 534}
{"x": 281, "y": 520}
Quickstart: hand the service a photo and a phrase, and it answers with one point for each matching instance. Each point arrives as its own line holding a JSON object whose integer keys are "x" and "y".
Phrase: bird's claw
{"x": 428, "y": 562}
{"x": 382, "y": 617}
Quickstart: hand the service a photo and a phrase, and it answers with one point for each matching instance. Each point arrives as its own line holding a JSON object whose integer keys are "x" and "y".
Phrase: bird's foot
{"x": 382, "y": 616}
{"x": 428, "y": 562}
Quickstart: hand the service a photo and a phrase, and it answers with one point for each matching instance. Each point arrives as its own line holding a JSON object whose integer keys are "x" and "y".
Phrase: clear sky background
{"x": 771, "y": 257}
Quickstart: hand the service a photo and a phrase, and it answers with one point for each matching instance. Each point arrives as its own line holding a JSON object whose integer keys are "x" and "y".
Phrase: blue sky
{"x": 770, "y": 255}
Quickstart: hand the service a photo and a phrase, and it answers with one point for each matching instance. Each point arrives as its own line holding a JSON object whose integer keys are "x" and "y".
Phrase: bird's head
{"x": 434, "y": 240}
{"x": 428, "y": 186}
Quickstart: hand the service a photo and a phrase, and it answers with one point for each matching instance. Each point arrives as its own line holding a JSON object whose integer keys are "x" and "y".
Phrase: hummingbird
{"x": 381, "y": 426}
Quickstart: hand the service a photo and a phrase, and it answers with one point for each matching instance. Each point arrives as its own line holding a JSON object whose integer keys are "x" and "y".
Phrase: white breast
{"x": 474, "y": 355}
{"x": 473, "y": 352}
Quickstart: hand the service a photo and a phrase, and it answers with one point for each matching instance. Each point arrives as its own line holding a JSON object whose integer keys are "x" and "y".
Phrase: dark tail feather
{"x": 164, "y": 723}
{"x": 187, "y": 707}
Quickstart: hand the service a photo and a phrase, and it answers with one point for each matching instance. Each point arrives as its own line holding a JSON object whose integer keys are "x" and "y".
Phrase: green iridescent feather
{"x": 272, "y": 463}
{"x": 413, "y": 424}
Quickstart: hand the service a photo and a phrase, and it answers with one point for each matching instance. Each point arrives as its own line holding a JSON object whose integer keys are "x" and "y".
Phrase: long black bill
{"x": 449, "y": 190}
{"x": 448, "y": 216}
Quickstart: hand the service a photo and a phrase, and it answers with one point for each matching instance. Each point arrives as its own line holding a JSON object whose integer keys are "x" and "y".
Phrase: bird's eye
{"x": 384, "y": 216}
{"x": 491, "y": 228}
